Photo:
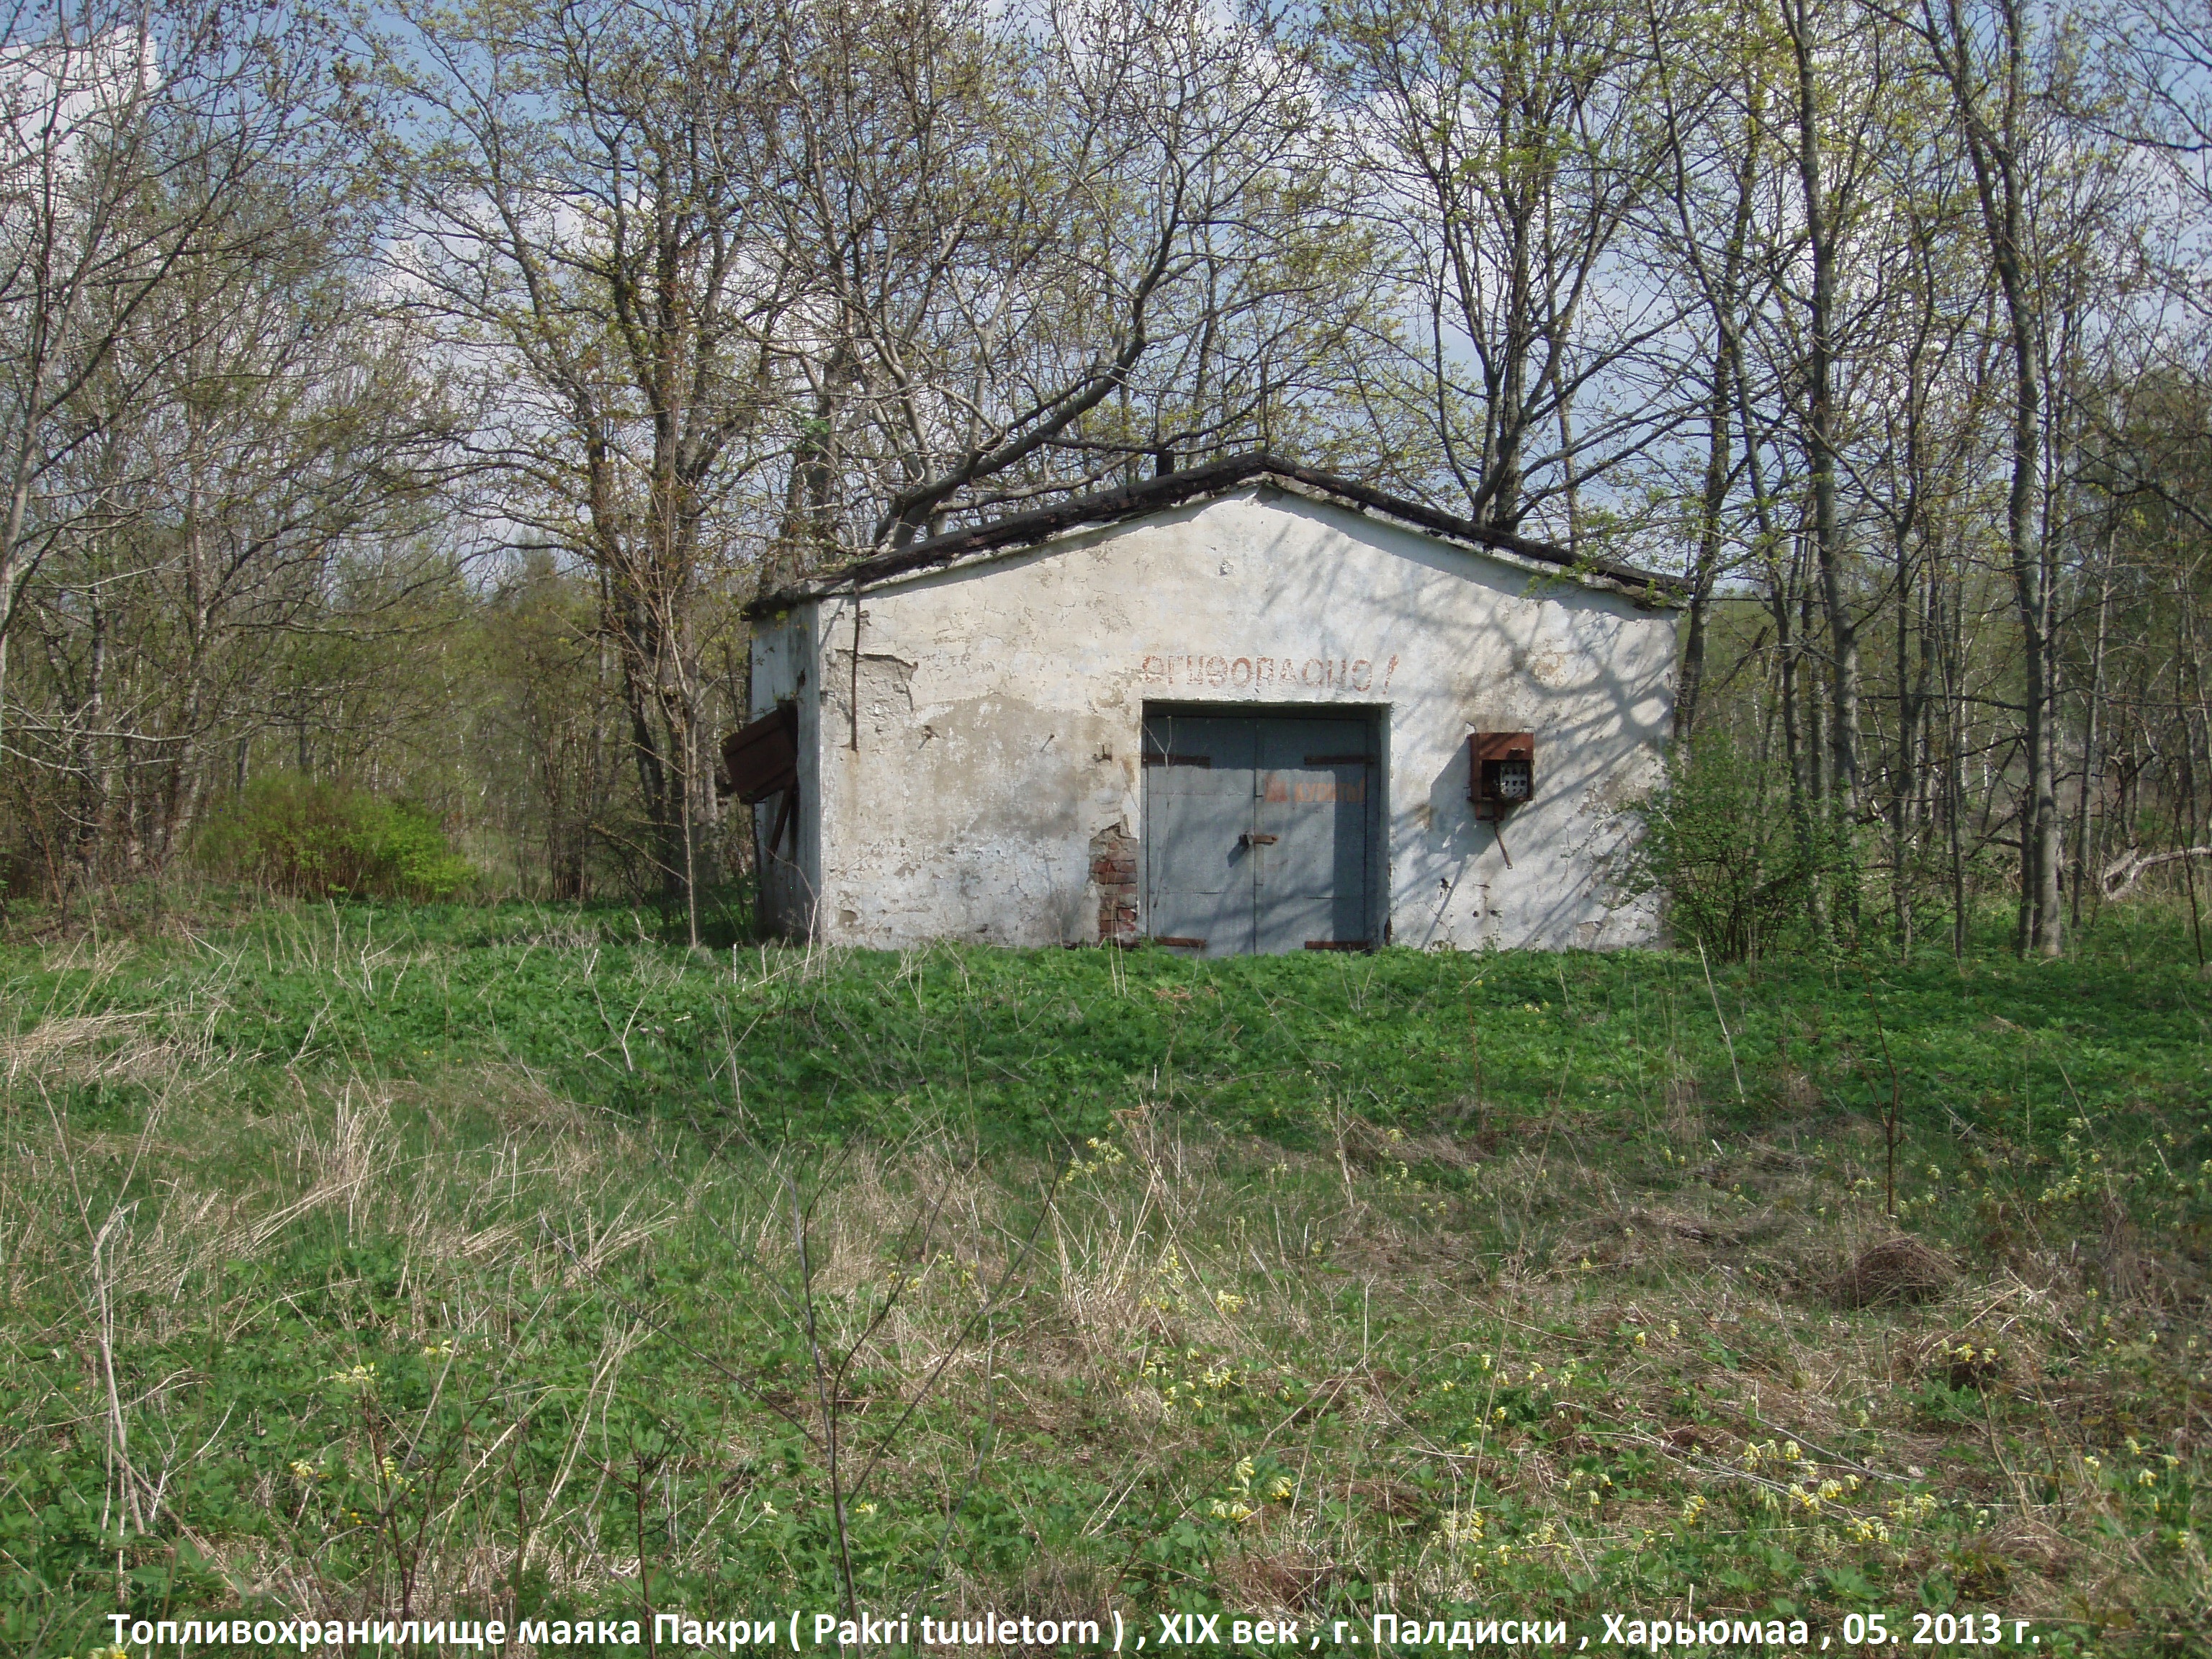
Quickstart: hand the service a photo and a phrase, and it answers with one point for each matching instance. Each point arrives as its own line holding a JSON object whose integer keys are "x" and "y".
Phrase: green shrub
{"x": 1721, "y": 846}
{"x": 311, "y": 840}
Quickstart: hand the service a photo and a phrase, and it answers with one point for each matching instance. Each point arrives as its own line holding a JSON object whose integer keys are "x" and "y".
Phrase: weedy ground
{"x": 510, "y": 1264}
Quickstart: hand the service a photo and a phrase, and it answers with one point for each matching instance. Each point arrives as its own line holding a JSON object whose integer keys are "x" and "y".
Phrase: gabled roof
{"x": 1215, "y": 478}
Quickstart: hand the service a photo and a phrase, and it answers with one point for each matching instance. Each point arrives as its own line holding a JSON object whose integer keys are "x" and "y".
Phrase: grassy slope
{"x": 1450, "y": 1281}
{"x": 1020, "y": 1048}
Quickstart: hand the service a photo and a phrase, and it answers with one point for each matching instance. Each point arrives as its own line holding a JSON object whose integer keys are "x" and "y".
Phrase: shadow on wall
{"x": 1521, "y": 855}
{"x": 1465, "y": 842}
{"x": 1558, "y": 674}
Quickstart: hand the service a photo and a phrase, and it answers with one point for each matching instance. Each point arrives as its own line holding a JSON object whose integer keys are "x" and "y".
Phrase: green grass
{"x": 456, "y": 1263}
{"x": 1030, "y": 1050}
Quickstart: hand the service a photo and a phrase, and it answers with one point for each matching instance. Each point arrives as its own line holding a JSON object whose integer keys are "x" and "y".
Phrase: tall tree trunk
{"x": 2092, "y": 729}
{"x": 1903, "y": 786}
{"x": 1994, "y": 152}
{"x": 1820, "y": 434}
{"x": 1951, "y": 658}
{"x": 1705, "y": 570}
{"x": 1789, "y": 649}
{"x": 1723, "y": 297}
{"x": 92, "y": 743}
{"x": 1818, "y": 776}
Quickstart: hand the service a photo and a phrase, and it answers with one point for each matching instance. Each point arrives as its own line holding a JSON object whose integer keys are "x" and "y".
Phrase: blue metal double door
{"x": 1262, "y": 833}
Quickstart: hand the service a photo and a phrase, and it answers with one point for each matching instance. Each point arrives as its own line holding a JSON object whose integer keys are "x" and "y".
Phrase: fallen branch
{"x": 2120, "y": 877}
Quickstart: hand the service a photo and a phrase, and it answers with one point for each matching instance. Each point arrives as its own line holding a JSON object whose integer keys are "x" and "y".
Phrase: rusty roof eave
{"x": 1649, "y": 589}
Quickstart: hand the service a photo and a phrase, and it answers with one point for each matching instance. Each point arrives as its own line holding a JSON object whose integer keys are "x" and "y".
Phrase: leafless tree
{"x": 592, "y": 193}
{"x": 125, "y": 127}
{"x": 1513, "y": 144}
{"x": 1032, "y": 255}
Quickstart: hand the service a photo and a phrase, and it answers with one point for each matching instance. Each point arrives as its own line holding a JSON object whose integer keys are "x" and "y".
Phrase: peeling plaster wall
{"x": 959, "y": 779}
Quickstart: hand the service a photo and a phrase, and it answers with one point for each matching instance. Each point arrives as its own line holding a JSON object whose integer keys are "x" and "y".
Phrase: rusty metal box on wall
{"x": 1501, "y": 771}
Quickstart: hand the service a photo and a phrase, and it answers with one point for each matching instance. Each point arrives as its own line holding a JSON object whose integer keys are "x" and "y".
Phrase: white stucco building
{"x": 1245, "y": 707}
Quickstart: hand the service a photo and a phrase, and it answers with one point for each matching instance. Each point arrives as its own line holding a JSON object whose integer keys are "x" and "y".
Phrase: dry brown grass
{"x": 1901, "y": 1269}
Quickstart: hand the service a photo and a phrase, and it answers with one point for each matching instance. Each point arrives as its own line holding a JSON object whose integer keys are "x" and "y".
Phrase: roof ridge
{"x": 1168, "y": 490}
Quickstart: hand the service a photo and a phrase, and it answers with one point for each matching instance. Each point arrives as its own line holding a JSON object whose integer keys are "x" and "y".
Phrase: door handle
{"x": 1252, "y": 838}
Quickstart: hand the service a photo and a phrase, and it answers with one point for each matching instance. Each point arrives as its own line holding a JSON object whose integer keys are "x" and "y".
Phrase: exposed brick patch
{"x": 1114, "y": 868}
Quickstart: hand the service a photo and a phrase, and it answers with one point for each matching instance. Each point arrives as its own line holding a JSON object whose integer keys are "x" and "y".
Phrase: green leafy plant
{"x": 306, "y": 839}
{"x": 1737, "y": 872}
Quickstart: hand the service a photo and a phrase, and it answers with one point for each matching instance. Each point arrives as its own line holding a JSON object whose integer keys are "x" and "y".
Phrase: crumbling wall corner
{"x": 1114, "y": 874}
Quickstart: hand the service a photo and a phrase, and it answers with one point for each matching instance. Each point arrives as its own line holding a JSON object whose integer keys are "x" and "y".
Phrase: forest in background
{"x": 397, "y": 405}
